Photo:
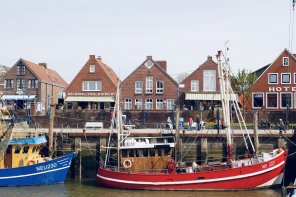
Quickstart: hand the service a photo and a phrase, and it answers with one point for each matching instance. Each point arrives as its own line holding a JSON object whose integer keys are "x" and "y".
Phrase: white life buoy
{"x": 127, "y": 163}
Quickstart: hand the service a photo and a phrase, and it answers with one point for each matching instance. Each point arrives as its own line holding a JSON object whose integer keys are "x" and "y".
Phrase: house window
{"x": 286, "y": 78}
{"x": 159, "y": 87}
{"x": 257, "y": 100}
{"x": 138, "y": 103}
{"x": 159, "y": 103}
{"x": 209, "y": 77}
{"x": 32, "y": 83}
{"x": 8, "y": 83}
{"x": 128, "y": 104}
{"x": 138, "y": 87}
{"x": 91, "y": 86}
{"x": 92, "y": 68}
{"x": 149, "y": 64}
{"x": 149, "y": 104}
{"x": 21, "y": 69}
{"x": 170, "y": 104}
{"x": 194, "y": 85}
{"x": 286, "y": 100}
{"x": 20, "y": 84}
{"x": 272, "y": 78}
{"x": 149, "y": 85}
{"x": 285, "y": 61}
{"x": 294, "y": 78}
{"x": 272, "y": 100}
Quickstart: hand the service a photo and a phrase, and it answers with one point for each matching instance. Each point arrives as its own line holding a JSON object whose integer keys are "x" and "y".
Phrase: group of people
{"x": 199, "y": 123}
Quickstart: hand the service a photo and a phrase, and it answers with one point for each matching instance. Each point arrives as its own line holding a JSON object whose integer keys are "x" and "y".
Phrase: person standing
{"x": 281, "y": 126}
{"x": 190, "y": 123}
{"x": 198, "y": 126}
{"x": 169, "y": 124}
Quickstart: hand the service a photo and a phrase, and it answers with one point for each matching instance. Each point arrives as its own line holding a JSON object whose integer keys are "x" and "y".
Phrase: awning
{"x": 90, "y": 99}
{"x": 207, "y": 97}
{"x": 17, "y": 97}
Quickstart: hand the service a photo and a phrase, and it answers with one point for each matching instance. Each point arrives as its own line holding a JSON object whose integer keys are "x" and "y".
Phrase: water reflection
{"x": 89, "y": 188}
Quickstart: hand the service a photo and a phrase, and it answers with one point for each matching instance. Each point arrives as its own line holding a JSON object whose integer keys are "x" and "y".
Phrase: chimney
{"x": 44, "y": 65}
{"x": 99, "y": 58}
{"x": 92, "y": 57}
{"x": 149, "y": 57}
{"x": 162, "y": 64}
{"x": 210, "y": 57}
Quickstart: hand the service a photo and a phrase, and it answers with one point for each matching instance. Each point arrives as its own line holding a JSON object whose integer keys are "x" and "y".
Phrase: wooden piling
{"x": 50, "y": 129}
{"x": 256, "y": 139}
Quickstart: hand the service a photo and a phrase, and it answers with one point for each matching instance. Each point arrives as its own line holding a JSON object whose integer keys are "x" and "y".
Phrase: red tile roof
{"x": 109, "y": 71}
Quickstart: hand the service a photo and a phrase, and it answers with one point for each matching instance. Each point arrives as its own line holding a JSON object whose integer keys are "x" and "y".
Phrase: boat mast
{"x": 223, "y": 74}
{"x": 119, "y": 123}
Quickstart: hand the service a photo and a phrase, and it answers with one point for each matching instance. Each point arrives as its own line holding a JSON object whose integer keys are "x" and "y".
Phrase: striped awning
{"x": 17, "y": 97}
{"x": 90, "y": 99}
{"x": 207, "y": 97}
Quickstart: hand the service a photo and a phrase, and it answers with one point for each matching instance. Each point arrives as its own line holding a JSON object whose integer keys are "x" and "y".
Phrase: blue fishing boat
{"x": 22, "y": 164}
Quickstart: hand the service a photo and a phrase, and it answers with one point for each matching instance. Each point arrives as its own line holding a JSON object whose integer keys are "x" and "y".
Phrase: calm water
{"x": 89, "y": 188}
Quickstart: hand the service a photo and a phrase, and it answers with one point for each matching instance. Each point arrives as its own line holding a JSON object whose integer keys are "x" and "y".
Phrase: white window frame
{"x": 159, "y": 102}
{"x": 149, "y": 85}
{"x": 277, "y": 99}
{"x": 277, "y": 78}
{"x": 149, "y": 103}
{"x": 281, "y": 93}
{"x": 128, "y": 103}
{"x": 20, "y": 82}
{"x": 158, "y": 89}
{"x": 137, "y": 89}
{"x": 137, "y": 102}
{"x": 92, "y": 68}
{"x": 263, "y": 102}
{"x": 284, "y": 61}
{"x": 98, "y": 87}
{"x": 30, "y": 83}
{"x": 149, "y": 64}
{"x": 170, "y": 104}
{"x": 194, "y": 85}
{"x": 294, "y": 100}
{"x": 11, "y": 87}
{"x": 282, "y": 78}
{"x": 205, "y": 78}
{"x": 294, "y": 74}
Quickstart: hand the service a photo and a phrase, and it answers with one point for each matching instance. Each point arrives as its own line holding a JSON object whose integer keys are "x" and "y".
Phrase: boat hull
{"x": 49, "y": 172}
{"x": 265, "y": 174}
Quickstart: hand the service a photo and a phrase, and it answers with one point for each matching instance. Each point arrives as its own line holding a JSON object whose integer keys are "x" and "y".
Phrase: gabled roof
{"x": 43, "y": 74}
{"x": 109, "y": 71}
{"x": 157, "y": 64}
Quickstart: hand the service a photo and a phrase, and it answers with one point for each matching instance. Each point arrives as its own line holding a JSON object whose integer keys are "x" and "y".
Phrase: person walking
{"x": 281, "y": 126}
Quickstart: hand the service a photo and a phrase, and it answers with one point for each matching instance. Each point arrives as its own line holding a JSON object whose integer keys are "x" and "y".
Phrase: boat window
{"x": 159, "y": 152}
{"x": 26, "y": 149}
{"x": 17, "y": 149}
{"x": 131, "y": 153}
{"x": 145, "y": 152}
{"x": 137, "y": 153}
{"x": 141, "y": 153}
{"x": 8, "y": 150}
{"x": 124, "y": 153}
{"x": 151, "y": 152}
{"x": 167, "y": 151}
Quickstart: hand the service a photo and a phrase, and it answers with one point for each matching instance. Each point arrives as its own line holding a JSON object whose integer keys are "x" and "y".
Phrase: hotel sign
{"x": 281, "y": 89}
{"x": 91, "y": 94}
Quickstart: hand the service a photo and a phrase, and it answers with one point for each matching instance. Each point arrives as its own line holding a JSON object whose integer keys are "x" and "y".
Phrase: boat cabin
{"x": 147, "y": 153}
{"x": 23, "y": 152}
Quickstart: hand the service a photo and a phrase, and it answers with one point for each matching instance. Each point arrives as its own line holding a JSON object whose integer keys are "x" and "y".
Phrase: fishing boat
{"x": 152, "y": 162}
{"x": 21, "y": 163}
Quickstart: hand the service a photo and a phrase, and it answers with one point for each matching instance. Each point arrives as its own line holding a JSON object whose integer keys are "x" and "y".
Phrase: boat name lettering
{"x": 271, "y": 164}
{"x": 46, "y": 167}
{"x": 264, "y": 166}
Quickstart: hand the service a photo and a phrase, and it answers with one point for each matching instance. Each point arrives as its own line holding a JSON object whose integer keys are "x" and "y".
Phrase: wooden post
{"x": 177, "y": 134}
{"x": 50, "y": 129}
{"x": 256, "y": 139}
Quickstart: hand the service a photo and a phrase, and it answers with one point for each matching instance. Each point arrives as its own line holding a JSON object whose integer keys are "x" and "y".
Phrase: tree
{"x": 241, "y": 83}
{"x": 181, "y": 76}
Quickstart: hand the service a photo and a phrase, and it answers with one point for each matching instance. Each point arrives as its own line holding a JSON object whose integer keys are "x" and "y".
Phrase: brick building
{"x": 3, "y": 71}
{"x": 32, "y": 86}
{"x": 201, "y": 88}
{"x": 275, "y": 88}
{"x": 94, "y": 87}
{"x": 149, "y": 87}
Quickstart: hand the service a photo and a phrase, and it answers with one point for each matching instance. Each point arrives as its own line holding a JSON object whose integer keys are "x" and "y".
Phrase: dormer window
{"x": 91, "y": 68}
{"x": 149, "y": 64}
{"x": 285, "y": 61}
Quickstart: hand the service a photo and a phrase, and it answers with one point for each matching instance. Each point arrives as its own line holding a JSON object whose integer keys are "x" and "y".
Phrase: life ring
{"x": 32, "y": 162}
{"x": 127, "y": 163}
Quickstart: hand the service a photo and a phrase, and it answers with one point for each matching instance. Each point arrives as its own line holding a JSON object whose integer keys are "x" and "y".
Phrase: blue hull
{"x": 48, "y": 172}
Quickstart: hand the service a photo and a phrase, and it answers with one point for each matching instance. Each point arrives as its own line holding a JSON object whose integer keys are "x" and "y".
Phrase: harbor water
{"x": 89, "y": 188}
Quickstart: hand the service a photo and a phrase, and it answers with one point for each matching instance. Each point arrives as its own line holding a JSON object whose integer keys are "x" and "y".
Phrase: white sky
{"x": 64, "y": 33}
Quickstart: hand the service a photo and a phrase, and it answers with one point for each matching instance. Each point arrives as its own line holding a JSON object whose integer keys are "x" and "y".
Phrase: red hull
{"x": 264, "y": 174}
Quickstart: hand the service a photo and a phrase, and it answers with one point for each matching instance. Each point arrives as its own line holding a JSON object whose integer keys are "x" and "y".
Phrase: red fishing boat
{"x": 152, "y": 162}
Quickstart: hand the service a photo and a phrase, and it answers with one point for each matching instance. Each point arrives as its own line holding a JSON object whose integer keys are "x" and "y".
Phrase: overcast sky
{"x": 64, "y": 33}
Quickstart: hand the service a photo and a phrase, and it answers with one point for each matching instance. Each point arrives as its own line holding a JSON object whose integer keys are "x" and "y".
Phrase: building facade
{"x": 32, "y": 86}
{"x": 275, "y": 88}
{"x": 149, "y": 87}
{"x": 94, "y": 87}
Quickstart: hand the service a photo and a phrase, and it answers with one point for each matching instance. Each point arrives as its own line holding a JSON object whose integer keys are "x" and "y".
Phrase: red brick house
{"x": 149, "y": 87}
{"x": 32, "y": 86}
{"x": 201, "y": 88}
{"x": 275, "y": 88}
{"x": 94, "y": 87}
